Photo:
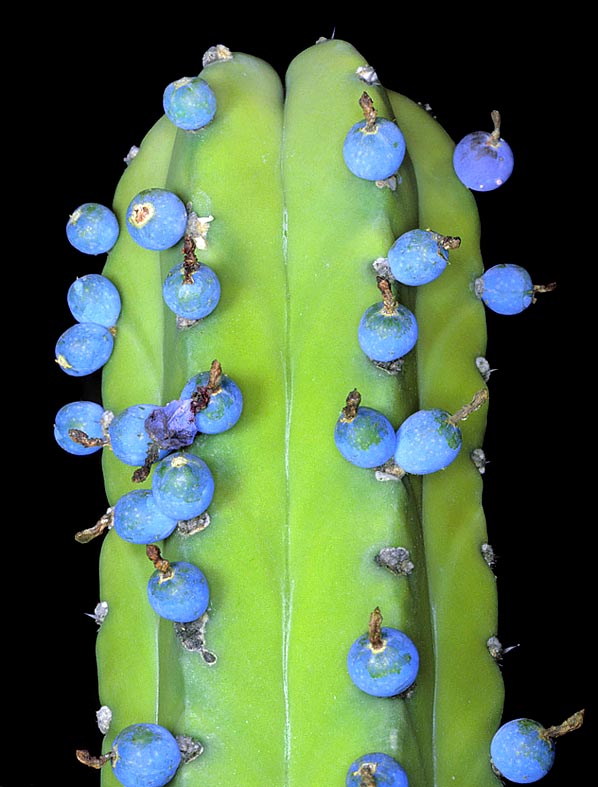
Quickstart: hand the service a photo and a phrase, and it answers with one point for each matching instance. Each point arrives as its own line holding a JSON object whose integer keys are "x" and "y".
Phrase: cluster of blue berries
{"x": 85, "y": 346}
{"x": 93, "y": 300}
{"x": 384, "y": 662}
{"x": 158, "y": 219}
{"x": 147, "y": 436}
{"x": 427, "y": 441}
{"x": 151, "y": 437}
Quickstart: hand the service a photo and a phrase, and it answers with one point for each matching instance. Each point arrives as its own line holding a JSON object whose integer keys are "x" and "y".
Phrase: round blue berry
{"x": 521, "y": 752}
{"x": 385, "y": 335}
{"x": 138, "y": 520}
{"x": 92, "y": 228}
{"x": 156, "y": 219}
{"x": 145, "y": 755}
{"x": 505, "y": 289}
{"x": 84, "y": 348}
{"x": 385, "y": 669}
{"x": 427, "y": 441}
{"x": 224, "y": 407}
{"x": 180, "y": 593}
{"x": 382, "y": 767}
{"x": 94, "y": 298}
{"x": 192, "y": 296}
{"x": 129, "y": 438}
{"x": 84, "y": 416}
{"x": 417, "y": 257}
{"x": 182, "y": 485}
{"x": 482, "y": 160}
{"x": 374, "y": 151}
{"x": 189, "y": 103}
{"x": 363, "y": 435}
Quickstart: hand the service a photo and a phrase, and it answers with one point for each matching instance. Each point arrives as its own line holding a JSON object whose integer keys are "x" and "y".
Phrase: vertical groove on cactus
{"x": 291, "y": 551}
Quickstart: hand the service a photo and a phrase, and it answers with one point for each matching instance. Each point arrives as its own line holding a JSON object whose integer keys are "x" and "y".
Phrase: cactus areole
{"x": 293, "y": 538}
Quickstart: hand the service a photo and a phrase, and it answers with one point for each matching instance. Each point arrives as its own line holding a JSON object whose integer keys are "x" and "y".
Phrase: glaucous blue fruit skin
{"x": 385, "y": 672}
{"x": 520, "y": 753}
{"x": 84, "y": 348}
{"x": 376, "y": 154}
{"x": 386, "y": 337}
{"x": 182, "y": 596}
{"x": 387, "y": 771}
{"x": 195, "y": 299}
{"x": 145, "y": 755}
{"x": 189, "y": 103}
{"x": 368, "y": 440}
{"x": 417, "y": 257}
{"x": 182, "y": 485}
{"x": 427, "y": 442}
{"x": 224, "y": 408}
{"x": 94, "y": 298}
{"x": 138, "y": 520}
{"x": 156, "y": 219}
{"x": 83, "y": 415}
{"x": 92, "y": 228}
{"x": 482, "y": 163}
{"x": 505, "y": 288}
{"x": 129, "y": 438}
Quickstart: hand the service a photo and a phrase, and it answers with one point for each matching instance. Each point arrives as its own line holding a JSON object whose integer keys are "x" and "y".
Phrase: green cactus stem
{"x": 293, "y": 550}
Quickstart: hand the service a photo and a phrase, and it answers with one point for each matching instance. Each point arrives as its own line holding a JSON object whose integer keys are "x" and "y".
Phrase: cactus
{"x": 294, "y": 546}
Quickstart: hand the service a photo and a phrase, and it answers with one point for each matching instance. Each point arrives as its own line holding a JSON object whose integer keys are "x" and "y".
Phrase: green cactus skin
{"x": 290, "y": 550}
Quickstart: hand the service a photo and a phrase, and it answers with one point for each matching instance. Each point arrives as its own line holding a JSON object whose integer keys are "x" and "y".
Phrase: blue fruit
{"x": 521, "y": 751}
{"x": 145, "y": 755}
{"x": 92, "y": 228}
{"x": 94, "y": 298}
{"x": 386, "y": 335}
{"x": 364, "y": 436}
{"x": 182, "y": 485}
{"x": 374, "y": 148}
{"x": 505, "y": 289}
{"x": 129, "y": 439}
{"x": 427, "y": 441}
{"x": 84, "y": 348}
{"x": 180, "y": 593}
{"x": 418, "y": 257}
{"x": 382, "y": 767}
{"x": 84, "y": 416}
{"x": 374, "y": 153}
{"x": 138, "y": 520}
{"x": 192, "y": 296}
{"x": 385, "y": 669}
{"x": 482, "y": 160}
{"x": 224, "y": 407}
{"x": 189, "y": 103}
{"x": 156, "y": 219}
{"x": 173, "y": 426}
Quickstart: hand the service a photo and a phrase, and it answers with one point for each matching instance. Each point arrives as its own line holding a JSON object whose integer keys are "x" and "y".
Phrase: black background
{"x": 94, "y": 82}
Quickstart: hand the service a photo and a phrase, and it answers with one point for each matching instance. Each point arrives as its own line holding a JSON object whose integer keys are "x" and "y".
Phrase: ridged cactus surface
{"x": 292, "y": 549}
